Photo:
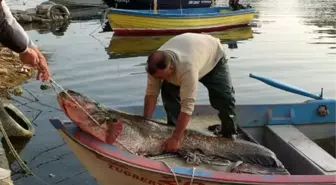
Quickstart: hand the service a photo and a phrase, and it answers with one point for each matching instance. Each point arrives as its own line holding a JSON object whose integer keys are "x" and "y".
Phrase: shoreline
{"x": 12, "y": 73}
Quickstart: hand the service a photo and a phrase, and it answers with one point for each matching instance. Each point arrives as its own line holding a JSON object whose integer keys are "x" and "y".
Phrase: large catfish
{"x": 145, "y": 137}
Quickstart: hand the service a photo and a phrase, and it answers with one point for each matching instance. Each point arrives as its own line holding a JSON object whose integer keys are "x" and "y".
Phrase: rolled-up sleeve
{"x": 12, "y": 35}
{"x": 188, "y": 90}
{"x": 153, "y": 86}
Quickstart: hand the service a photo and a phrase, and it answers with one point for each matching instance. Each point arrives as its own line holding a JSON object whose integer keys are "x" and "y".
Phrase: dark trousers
{"x": 221, "y": 95}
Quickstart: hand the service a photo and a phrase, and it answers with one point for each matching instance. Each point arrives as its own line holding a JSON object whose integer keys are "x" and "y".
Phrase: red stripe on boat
{"x": 139, "y": 32}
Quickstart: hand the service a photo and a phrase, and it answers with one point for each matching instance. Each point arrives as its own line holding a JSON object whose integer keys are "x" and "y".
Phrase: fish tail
{"x": 269, "y": 160}
{"x": 256, "y": 154}
{"x": 264, "y": 159}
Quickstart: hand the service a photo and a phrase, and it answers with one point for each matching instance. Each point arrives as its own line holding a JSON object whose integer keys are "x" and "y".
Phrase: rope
{"x": 17, "y": 156}
{"x": 53, "y": 81}
{"x": 59, "y": 86}
{"x": 27, "y": 169}
{"x": 176, "y": 181}
{"x": 175, "y": 177}
{"x": 99, "y": 126}
{"x": 20, "y": 161}
{"x": 192, "y": 178}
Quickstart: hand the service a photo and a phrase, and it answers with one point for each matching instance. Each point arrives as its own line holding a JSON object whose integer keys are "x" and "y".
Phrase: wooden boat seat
{"x": 298, "y": 153}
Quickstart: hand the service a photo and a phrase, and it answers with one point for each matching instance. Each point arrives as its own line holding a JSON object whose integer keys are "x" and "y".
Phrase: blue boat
{"x": 289, "y": 130}
{"x": 163, "y": 4}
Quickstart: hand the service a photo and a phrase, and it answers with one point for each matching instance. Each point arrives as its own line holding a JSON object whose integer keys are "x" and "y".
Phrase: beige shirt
{"x": 197, "y": 54}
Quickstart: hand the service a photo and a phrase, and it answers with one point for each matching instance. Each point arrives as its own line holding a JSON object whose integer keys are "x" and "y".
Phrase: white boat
{"x": 287, "y": 129}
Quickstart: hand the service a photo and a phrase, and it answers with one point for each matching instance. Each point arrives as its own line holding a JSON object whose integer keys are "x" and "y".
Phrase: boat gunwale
{"x": 242, "y": 30}
{"x": 114, "y": 153}
{"x": 151, "y": 14}
{"x": 121, "y": 31}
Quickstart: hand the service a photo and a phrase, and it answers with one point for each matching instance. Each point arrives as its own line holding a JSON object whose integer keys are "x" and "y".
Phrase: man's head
{"x": 159, "y": 64}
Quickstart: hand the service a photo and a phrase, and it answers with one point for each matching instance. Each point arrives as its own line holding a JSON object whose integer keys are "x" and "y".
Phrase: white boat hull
{"x": 110, "y": 164}
{"x": 107, "y": 171}
{"x": 281, "y": 125}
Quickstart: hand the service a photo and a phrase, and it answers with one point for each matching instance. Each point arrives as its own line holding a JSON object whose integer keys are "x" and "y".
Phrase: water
{"x": 23, "y": 4}
{"x": 293, "y": 42}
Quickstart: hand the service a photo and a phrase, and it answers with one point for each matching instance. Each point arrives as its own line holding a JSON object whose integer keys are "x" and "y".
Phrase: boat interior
{"x": 294, "y": 144}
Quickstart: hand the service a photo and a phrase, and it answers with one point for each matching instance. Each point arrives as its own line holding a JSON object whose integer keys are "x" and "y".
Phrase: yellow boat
{"x": 128, "y": 46}
{"x": 149, "y": 22}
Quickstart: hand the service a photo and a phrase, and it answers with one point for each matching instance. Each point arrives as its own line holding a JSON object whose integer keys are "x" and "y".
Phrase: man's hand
{"x": 29, "y": 57}
{"x": 34, "y": 58}
{"x": 43, "y": 70}
{"x": 171, "y": 144}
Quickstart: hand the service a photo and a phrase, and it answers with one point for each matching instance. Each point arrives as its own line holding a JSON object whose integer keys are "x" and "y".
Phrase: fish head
{"x": 78, "y": 107}
{"x": 86, "y": 113}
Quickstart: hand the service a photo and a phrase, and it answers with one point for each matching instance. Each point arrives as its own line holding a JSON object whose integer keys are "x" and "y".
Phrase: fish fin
{"x": 113, "y": 132}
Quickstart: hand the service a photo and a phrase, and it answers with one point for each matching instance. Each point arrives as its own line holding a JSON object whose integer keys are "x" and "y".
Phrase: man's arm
{"x": 150, "y": 103}
{"x": 152, "y": 92}
{"x": 12, "y": 35}
{"x": 188, "y": 90}
{"x": 181, "y": 125}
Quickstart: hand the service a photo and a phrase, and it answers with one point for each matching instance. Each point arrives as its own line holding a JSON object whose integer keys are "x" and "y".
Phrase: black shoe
{"x": 212, "y": 128}
{"x": 170, "y": 123}
{"x": 215, "y": 129}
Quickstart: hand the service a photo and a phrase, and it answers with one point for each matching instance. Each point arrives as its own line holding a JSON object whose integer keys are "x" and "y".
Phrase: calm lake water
{"x": 291, "y": 41}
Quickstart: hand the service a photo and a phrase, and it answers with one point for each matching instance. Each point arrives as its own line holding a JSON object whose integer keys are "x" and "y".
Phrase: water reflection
{"x": 280, "y": 49}
{"x": 323, "y": 16}
{"x": 56, "y": 28}
{"x": 130, "y": 46}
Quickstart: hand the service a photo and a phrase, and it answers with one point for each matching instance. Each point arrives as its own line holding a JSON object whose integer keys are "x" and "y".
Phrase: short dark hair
{"x": 156, "y": 60}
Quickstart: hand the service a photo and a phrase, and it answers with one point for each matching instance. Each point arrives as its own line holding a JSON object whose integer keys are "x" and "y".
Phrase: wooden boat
{"x": 149, "y": 22}
{"x": 128, "y": 46}
{"x": 287, "y": 129}
{"x": 163, "y": 4}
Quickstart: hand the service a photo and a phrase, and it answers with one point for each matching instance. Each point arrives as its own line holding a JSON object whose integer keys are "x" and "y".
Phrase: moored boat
{"x": 128, "y": 46}
{"x": 287, "y": 129}
{"x": 163, "y": 4}
{"x": 80, "y": 3}
{"x": 175, "y": 21}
